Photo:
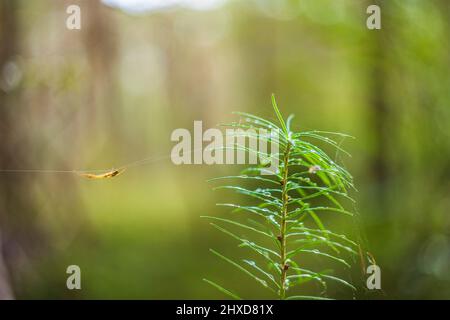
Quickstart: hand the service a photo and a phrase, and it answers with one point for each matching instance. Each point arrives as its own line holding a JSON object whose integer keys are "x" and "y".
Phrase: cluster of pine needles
{"x": 286, "y": 211}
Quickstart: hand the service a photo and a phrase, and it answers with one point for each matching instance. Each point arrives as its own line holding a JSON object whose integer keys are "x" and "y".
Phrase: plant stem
{"x": 284, "y": 199}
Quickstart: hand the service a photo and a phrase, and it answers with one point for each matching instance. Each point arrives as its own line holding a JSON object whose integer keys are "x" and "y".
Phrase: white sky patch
{"x": 140, "y": 6}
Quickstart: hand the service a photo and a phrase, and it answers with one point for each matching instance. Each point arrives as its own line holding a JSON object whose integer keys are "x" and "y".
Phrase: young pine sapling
{"x": 286, "y": 215}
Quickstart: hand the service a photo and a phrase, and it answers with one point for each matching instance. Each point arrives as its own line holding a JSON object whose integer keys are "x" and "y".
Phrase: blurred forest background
{"x": 112, "y": 92}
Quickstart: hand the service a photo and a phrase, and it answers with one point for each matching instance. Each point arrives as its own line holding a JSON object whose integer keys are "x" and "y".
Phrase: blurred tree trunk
{"x": 21, "y": 237}
{"x": 258, "y": 34}
{"x": 194, "y": 91}
{"x": 100, "y": 41}
{"x": 5, "y": 286}
{"x": 378, "y": 100}
{"x": 8, "y": 149}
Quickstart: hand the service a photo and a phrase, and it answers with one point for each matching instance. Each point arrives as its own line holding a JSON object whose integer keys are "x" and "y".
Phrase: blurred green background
{"x": 112, "y": 93}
